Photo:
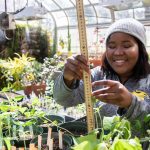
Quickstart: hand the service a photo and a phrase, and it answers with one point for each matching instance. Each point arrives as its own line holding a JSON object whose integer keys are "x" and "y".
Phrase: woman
{"x": 125, "y": 68}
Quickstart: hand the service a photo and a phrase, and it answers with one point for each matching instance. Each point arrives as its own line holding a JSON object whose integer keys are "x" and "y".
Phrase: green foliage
{"x": 12, "y": 70}
{"x": 122, "y": 144}
{"x": 118, "y": 137}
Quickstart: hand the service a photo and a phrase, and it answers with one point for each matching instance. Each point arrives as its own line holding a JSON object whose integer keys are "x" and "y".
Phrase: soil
{"x": 55, "y": 146}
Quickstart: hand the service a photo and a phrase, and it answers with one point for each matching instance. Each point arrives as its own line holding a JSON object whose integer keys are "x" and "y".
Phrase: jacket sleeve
{"x": 65, "y": 96}
{"x": 72, "y": 96}
{"x": 138, "y": 109}
{"x": 137, "y": 112}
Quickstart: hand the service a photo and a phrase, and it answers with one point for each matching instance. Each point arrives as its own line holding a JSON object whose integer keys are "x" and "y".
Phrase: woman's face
{"x": 122, "y": 53}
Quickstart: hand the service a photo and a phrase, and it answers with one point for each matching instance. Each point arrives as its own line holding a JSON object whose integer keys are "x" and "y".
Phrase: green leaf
{"x": 18, "y": 98}
{"x": 101, "y": 146}
{"x": 107, "y": 123}
{"x": 92, "y": 137}
{"x": 147, "y": 118}
{"x": 85, "y": 145}
{"x": 8, "y": 144}
{"x": 122, "y": 144}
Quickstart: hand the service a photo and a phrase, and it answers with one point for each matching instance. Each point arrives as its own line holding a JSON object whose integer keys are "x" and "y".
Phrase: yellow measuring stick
{"x": 86, "y": 76}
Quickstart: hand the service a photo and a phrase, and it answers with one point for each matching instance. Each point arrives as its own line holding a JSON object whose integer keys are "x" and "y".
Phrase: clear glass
{"x": 90, "y": 15}
{"x": 64, "y": 3}
{"x": 60, "y": 18}
{"x": 124, "y": 14}
{"x": 139, "y": 13}
{"x": 50, "y": 5}
{"x": 103, "y": 12}
{"x": 94, "y": 1}
{"x": 72, "y": 17}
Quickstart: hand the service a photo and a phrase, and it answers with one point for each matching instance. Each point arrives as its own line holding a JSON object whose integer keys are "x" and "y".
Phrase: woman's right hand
{"x": 73, "y": 68}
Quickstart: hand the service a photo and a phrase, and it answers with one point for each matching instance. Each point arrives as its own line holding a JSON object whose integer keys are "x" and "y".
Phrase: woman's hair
{"x": 140, "y": 70}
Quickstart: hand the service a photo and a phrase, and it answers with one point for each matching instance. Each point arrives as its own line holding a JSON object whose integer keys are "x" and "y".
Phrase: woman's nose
{"x": 119, "y": 50}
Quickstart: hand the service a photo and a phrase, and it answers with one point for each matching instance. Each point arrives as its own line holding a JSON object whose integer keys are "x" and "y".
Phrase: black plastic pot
{"x": 69, "y": 118}
{"x": 47, "y": 120}
{"x": 75, "y": 128}
{"x": 19, "y": 142}
{"x": 67, "y": 141}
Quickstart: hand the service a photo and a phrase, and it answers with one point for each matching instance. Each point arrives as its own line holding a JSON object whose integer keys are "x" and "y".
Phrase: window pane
{"x": 90, "y": 16}
{"x": 139, "y": 13}
{"x": 64, "y": 3}
{"x": 124, "y": 14}
{"x": 60, "y": 18}
{"x": 72, "y": 16}
{"x": 50, "y": 5}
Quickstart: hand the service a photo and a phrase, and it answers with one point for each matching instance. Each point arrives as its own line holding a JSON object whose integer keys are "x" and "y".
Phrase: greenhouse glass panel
{"x": 60, "y": 18}
{"x": 124, "y": 14}
{"x": 103, "y": 12}
{"x": 147, "y": 13}
{"x": 49, "y": 5}
{"x": 9, "y": 5}
{"x": 139, "y": 13}
{"x": 94, "y": 1}
{"x": 86, "y": 2}
{"x": 148, "y": 37}
{"x": 90, "y": 15}
{"x": 73, "y": 1}
{"x": 64, "y": 3}
{"x": 72, "y": 17}
{"x": 104, "y": 21}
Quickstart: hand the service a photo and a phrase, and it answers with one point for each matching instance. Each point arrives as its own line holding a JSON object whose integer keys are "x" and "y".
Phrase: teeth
{"x": 119, "y": 61}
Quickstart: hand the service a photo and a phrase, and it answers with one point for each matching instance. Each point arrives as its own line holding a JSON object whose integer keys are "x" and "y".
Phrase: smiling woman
{"x": 122, "y": 54}
{"x": 125, "y": 68}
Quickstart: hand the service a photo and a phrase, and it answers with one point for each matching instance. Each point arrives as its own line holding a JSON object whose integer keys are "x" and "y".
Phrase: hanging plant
{"x": 69, "y": 42}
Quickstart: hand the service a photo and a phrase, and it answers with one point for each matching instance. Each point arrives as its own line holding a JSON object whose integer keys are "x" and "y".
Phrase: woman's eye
{"x": 111, "y": 46}
{"x": 127, "y": 46}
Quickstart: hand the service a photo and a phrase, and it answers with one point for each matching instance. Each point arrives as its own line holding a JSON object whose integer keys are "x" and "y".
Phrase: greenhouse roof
{"x": 63, "y": 12}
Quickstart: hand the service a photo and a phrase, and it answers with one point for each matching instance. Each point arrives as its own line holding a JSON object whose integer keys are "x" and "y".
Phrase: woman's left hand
{"x": 113, "y": 93}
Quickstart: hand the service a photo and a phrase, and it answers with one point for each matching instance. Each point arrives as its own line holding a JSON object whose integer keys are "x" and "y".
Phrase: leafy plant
{"x": 12, "y": 70}
{"x": 118, "y": 137}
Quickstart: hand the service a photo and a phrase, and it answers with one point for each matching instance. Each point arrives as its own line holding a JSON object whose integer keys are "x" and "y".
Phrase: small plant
{"x": 116, "y": 137}
{"x": 12, "y": 70}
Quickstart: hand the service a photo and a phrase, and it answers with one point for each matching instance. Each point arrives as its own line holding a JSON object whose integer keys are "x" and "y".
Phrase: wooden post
{"x": 32, "y": 147}
{"x": 3, "y": 148}
{"x": 39, "y": 142}
{"x": 60, "y": 134}
{"x": 13, "y": 148}
{"x": 21, "y": 148}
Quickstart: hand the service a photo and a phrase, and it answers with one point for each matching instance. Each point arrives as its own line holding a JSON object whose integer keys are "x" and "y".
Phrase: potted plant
{"x": 22, "y": 134}
{"x": 118, "y": 137}
{"x": 12, "y": 70}
{"x": 52, "y": 121}
{"x": 75, "y": 128}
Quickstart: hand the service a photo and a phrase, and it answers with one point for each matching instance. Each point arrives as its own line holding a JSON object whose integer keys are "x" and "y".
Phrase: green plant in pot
{"x": 52, "y": 121}
{"x": 118, "y": 137}
{"x": 23, "y": 132}
{"x": 33, "y": 80}
{"x": 74, "y": 128}
{"x": 12, "y": 70}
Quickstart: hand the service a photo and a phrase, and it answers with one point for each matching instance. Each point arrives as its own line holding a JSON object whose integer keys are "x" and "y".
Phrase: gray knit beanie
{"x": 129, "y": 26}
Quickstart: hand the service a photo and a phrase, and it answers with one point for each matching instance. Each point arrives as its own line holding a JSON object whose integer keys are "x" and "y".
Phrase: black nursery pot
{"x": 67, "y": 141}
{"x": 20, "y": 142}
{"x": 47, "y": 121}
{"x": 76, "y": 128}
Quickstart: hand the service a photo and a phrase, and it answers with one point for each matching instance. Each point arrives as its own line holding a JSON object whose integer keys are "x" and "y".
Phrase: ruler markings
{"x": 86, "y": 76}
